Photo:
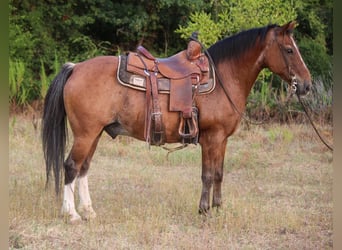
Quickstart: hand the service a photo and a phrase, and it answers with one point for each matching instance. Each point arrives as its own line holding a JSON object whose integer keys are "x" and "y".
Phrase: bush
{"x": 316, "y": 58}
{"x": 19, "y": 89}
{"x": 269, "y": 101}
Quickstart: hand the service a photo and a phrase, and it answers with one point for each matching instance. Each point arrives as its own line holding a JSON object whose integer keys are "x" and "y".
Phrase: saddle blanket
{"x": 138, "y": 82}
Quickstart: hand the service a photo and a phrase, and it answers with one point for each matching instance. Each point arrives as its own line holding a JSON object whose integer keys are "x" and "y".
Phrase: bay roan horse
{"x": 90, "y": 96}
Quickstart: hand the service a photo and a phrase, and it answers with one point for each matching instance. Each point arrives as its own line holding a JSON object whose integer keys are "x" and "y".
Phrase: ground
{"x": 277, "y": 194}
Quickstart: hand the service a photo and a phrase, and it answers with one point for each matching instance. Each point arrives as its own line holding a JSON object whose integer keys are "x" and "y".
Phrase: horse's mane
{"x": 234, "y": 46}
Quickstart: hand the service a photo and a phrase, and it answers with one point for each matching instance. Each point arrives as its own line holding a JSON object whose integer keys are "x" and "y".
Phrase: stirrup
{"x": 190, "y": 125}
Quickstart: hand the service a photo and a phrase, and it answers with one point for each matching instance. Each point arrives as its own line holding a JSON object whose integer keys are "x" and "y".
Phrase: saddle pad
{"x": 138, "y": 82}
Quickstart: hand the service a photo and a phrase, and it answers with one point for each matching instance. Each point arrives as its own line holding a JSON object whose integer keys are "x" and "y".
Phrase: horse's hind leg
{"x": 85, "y": 206}
{"x": 68, "y": 207}
{"x": 76, "y": 164}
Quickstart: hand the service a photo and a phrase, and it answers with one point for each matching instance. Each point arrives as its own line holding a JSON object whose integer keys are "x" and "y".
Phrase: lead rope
{"x": 294, "y": 91}
{"x": 312, "y": 124}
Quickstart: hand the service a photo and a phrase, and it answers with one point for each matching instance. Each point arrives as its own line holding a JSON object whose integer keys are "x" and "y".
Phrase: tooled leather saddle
{"x": 182, "y": 76}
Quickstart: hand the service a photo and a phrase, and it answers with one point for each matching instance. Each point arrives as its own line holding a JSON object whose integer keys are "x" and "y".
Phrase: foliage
{"x": 44, "y": 81}
{"x": 240, "y": 15}
{"x": 316, "y": 57}
{"x": 268, "y": 102}
{"x": 16, "y": 77}
{"x": 209, "y": 31}
{"x": 234, "y": 16}
{"x": 18, "y": 92}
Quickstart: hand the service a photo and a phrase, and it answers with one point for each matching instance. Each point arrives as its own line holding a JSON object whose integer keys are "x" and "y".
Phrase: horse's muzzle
{"x": 303, "y": 88}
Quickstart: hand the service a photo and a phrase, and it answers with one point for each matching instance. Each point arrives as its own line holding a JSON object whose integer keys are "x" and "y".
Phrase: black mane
{"x": 234, "y": 46}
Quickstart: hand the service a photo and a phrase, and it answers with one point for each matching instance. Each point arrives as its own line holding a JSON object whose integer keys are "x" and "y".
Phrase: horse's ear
{"x": 288, "y": 28}
{"x": 291, "y": 26}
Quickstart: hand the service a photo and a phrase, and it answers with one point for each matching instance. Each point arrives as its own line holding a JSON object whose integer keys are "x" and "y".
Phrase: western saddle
{"x": 185, "y": 70}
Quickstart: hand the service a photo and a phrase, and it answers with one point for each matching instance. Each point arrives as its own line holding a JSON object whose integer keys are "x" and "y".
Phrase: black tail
{"x": 54, "y": 129}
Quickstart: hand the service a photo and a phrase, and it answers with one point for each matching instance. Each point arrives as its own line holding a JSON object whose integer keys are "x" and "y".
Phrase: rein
{"x": 294, "y": 89}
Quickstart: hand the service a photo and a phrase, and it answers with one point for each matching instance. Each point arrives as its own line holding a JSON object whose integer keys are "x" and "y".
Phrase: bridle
{"x": 293, "y": 83}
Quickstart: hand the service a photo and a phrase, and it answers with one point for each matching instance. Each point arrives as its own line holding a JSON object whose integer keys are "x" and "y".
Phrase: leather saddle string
{"x": 148, "y": 110}
{"x": 151, "y": 91}
{"x": 148, "y": 101}
{"x": 156, "y": 112}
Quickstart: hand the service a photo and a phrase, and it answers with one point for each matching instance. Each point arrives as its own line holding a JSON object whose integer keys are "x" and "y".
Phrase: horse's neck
{"x": 245, "y": 71}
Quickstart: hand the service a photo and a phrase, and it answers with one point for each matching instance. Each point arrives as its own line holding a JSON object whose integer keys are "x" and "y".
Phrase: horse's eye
{"x": 289, "y": 50}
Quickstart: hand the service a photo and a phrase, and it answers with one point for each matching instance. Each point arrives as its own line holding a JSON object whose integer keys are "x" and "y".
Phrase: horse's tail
{"x": 54, "y": 129}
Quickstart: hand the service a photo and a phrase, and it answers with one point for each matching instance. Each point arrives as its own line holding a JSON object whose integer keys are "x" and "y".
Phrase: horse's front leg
{"x": 213, "y": 151}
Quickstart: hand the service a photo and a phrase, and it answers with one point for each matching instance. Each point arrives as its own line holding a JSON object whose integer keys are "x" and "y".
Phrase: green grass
{"x": 277, "y": 194}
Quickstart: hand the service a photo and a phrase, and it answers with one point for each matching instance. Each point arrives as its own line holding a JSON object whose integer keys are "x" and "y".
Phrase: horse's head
{"x": 283, "y": 58}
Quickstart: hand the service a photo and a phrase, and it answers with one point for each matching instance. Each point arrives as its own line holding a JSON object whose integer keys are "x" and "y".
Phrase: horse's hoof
{"x": 72, "y": 219}
{"x": 87, "y": 213}
{"x": 204, "y": 211}
{"x": 75, "y": 220}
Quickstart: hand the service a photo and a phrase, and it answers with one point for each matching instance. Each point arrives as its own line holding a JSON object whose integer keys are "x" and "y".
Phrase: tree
{"x": 236, "y": 15}
{"x": 46, "y": 33}
{"x": 313, "y": 34}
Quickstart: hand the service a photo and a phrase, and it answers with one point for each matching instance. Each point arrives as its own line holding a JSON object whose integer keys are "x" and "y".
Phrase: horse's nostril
{"x": 304, "y": 88}
{"x": 307, "y": 87}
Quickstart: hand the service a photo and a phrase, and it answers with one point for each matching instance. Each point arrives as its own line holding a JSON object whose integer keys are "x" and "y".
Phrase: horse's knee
{"x": 70, "y": 171}
{"x": 218, "y": 176}
{"x": 207, "y": 179}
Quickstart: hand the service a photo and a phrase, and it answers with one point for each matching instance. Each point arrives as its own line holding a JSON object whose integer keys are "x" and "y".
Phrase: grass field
{"x": 277, "y": 194}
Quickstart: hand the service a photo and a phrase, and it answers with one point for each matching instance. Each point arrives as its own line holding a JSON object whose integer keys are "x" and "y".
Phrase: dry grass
{"x": 277, "y": 194}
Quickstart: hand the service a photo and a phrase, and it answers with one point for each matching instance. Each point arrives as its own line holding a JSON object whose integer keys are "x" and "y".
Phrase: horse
{"x": 88, "y": 95}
